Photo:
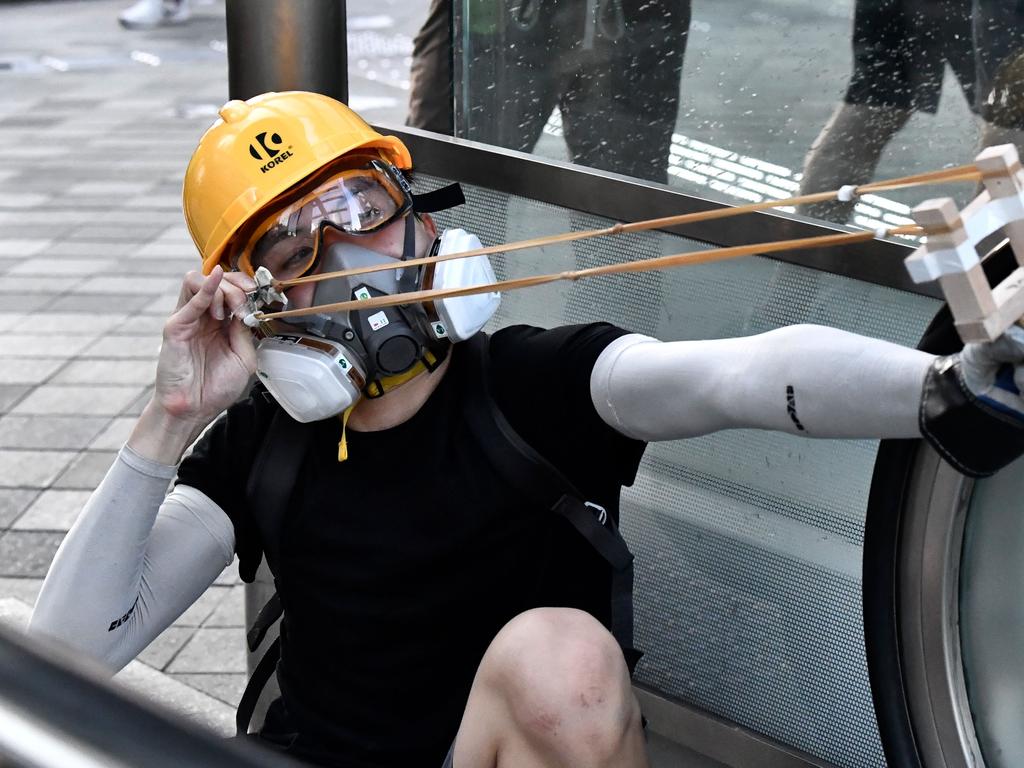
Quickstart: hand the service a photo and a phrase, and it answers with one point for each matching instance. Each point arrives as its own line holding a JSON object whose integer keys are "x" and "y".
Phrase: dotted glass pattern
{"x": 748, "y": 543}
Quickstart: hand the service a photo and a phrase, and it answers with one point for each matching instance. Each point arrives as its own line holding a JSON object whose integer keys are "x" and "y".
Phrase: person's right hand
{"x": 208, "y": 355}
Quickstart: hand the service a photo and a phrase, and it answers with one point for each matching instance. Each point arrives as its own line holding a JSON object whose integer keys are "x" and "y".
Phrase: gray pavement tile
{"x": 174, "y": 267}
{"x": 46, "y": 265}
{"x": 26, "y": 371}
{"x": 89, "y": 249}
{"x": 10, "y": 319}
{"x": 209, "y": 650}
{"x": 23, "y": 588}
{"x": 108, "y": 188}
{"x": 25, "y": 200}
{"x": 159, "y": 652}
{"x": 166, "y": 691}
{"x": 49, "y": 346}
{"x": 28, "y": 553}
{"x": 115, "y": 435}
{"x": 168, "y": 249}
{"x": 104, "y": 232}
{"x": 177, "y": 233}
{"x": 227, "y": 688}
{"x": 129, "y": 285}
{"x": 32, "y": 469}
{"x": 201, "y": 609}
{"x": 170, "y": 202}
{"x": 230, "y": 612}
{"x": 151, "y": 320}
{"x": 102, "y": 371}
{"x": 77, "y": 400}
{"x": 45, "y": 218}
{"x": 48, "y": 285}
{"x": 12, "y": 393}
{"x": 22, "y": 248}
{"x": 120, "y": 347}
{"x": 12, "y": 503}
{"x": 69, "y": 323}
{"x": 86, "y": 470}
{"x": 136, "y": 408}
{"x": 52, "y": 511}
{"x": 24, "y": 302}
{"x": 164, "y": 305}
{"x": 26, "y": 121}
{"x": 113, "y": 215}
{"x": 105, "y": 303}
{"x": 55, "y": 432}
{"x": 229, "y": 576}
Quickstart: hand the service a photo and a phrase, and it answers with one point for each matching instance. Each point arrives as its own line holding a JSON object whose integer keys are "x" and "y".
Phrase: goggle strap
{"x": 439, "y": 199}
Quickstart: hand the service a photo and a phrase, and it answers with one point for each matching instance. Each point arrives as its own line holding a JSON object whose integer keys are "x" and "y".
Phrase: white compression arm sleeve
{"x": 803, "y": 379}
{"x": 133, "y": 562}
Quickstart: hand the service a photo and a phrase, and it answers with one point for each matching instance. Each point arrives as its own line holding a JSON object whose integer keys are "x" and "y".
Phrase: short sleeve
{"x": 541, "y": 379}
{"x": 219, "y": 466}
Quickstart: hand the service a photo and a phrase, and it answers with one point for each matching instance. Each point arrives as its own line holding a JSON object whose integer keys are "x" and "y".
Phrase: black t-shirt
{"x": 400, "y": 565}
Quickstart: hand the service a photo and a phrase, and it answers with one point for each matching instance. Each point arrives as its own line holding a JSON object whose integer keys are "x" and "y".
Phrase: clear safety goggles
{"x": 356, "y": 200}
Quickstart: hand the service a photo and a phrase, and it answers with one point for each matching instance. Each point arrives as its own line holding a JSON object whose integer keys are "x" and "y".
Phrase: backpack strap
{"x": 521, "y": 465}
{"x": 273, "y": 478}
{"x": 271, "y": 481}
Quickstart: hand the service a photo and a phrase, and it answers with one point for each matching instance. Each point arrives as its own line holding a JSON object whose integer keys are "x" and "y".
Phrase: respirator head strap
{"x": 439, "y": 200}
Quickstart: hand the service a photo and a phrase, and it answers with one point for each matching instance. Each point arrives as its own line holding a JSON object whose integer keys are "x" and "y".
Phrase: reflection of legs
{"x": 552, "y": 689}
{"x": 430, "y": 92}
{"x": 619, "y": 113}
{"x": 620, "y": 108}
{"x": 847, "y": 152}
{"x": 992, "y": 134}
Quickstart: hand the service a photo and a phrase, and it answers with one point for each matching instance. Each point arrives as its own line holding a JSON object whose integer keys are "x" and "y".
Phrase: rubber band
{"x": 846, "y": 193}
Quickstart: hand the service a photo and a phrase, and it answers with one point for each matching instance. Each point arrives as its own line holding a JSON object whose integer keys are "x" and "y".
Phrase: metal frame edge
{"x": 718, "y": 739}
{"x": 622, "y": 198}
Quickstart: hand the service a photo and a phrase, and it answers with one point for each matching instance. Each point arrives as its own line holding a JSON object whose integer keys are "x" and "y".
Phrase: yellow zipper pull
{"x": 343, "y": 443}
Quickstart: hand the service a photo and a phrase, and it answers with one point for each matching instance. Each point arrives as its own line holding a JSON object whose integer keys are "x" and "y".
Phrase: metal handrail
{"x": 56, "y": 708}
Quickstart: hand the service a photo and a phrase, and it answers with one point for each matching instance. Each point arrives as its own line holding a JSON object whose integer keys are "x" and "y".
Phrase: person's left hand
{"x": 994, "y": 372}
{"x": 972, "y": 411}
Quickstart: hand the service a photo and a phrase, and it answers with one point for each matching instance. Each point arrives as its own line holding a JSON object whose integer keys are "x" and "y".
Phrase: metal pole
{"x": 283, "y": 45}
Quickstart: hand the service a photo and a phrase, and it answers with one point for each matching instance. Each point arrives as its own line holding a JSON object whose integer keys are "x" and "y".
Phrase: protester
{"x": 435, "y": 613}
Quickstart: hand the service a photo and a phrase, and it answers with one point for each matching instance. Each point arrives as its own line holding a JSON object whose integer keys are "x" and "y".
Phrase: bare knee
{"x": 565, "y": 682}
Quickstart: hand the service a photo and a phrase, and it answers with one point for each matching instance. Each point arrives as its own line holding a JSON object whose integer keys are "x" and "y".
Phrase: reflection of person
{"x": 999, "y": 45}
{"x": 421, "y": 588}
{"x": 612, "y": 67}
{"x": 900, "y": 49}
{"x": 146, "y": 14}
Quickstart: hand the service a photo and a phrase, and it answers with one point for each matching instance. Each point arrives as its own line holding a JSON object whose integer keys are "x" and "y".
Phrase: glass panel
{"x": 748, "y": 543}
{"x": 992, "y": 615}
{"x": 745, "y": 101}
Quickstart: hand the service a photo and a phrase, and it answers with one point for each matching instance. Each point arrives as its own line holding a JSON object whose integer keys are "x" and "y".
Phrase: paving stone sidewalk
{"x": 92, "y": 249}
{"x": 97, "y": 125}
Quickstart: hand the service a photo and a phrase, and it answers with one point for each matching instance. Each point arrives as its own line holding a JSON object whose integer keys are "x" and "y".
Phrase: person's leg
{"x": 552, "y": 690}
{"x": 620, "y": 108}
{"x": 847, "y": 151}
{"x": 430, "y": 94}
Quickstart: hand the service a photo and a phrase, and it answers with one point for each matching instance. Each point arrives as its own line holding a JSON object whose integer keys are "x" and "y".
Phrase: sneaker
{"x": 147, "y": 14}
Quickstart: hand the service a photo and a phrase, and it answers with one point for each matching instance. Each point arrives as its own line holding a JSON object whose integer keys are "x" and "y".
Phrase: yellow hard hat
{"x": 259, "y": 149}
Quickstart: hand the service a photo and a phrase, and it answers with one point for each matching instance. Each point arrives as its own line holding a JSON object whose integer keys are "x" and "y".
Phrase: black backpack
{"x": 284, "y": 449}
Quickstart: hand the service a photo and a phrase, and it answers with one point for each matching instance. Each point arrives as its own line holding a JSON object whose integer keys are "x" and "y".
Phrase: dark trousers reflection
{"x": 612, "y": 69}
{"x": 900, "y": 51}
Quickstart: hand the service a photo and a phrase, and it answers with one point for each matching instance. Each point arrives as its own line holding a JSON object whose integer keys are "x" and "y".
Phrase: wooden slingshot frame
{"x": 950, "y": 254}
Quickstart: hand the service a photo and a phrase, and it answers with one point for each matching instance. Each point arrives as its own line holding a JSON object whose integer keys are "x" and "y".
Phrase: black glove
{"x": 972, "y": 412}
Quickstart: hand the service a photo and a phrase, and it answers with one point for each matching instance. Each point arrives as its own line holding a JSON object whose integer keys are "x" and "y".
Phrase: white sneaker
{"x": 147, "y": 14}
